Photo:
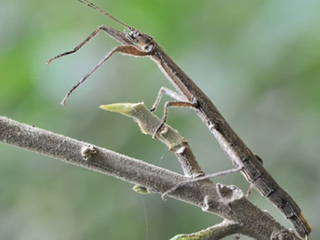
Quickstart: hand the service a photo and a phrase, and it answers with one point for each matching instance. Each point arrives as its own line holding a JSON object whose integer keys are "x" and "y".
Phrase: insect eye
{"x": 131, "y": 34}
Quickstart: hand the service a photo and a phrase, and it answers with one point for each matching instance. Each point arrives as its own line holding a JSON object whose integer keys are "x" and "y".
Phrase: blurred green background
{"x": 259, "y": 62}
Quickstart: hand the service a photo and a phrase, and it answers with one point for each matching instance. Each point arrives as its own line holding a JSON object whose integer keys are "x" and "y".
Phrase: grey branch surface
{"x": 240, "y": 215}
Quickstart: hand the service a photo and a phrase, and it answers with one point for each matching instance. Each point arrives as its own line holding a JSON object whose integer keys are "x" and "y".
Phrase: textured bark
{"x": 240, "y": 215}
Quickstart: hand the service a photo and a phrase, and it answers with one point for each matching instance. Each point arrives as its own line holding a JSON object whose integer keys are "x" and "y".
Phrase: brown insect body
{"x": 139, "y": 44}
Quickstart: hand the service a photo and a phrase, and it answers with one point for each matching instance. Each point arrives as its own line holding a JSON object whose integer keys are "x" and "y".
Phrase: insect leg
{"x": 181, "y": 102}
{"x": 165, "y": 114}
{"x": 130, "y": 50}
{"x": 170, "y": 93}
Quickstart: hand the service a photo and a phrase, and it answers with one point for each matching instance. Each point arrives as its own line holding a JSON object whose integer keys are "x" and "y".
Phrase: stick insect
{"x": 139, "y": 44}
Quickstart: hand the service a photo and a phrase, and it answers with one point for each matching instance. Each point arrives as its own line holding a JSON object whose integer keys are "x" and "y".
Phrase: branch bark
{"x": 240, "y": 215}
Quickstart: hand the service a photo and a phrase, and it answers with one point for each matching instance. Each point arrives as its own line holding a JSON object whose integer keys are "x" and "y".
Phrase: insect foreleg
{"x": 130, "y": 50}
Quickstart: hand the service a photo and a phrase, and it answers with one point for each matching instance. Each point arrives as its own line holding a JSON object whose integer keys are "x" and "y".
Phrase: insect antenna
{"x": 89, "y": 4}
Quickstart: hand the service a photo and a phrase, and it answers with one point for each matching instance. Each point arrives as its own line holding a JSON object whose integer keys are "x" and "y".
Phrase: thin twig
{"x": 148, "y": 123}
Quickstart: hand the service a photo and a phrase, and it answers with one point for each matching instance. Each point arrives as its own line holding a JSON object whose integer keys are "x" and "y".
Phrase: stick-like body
{"x": 231, "y": 143}
{"x": 137, "y": 43}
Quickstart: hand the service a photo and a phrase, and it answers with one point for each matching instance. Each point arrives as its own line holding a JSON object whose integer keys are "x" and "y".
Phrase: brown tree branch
{"x": 240, "y": 215}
